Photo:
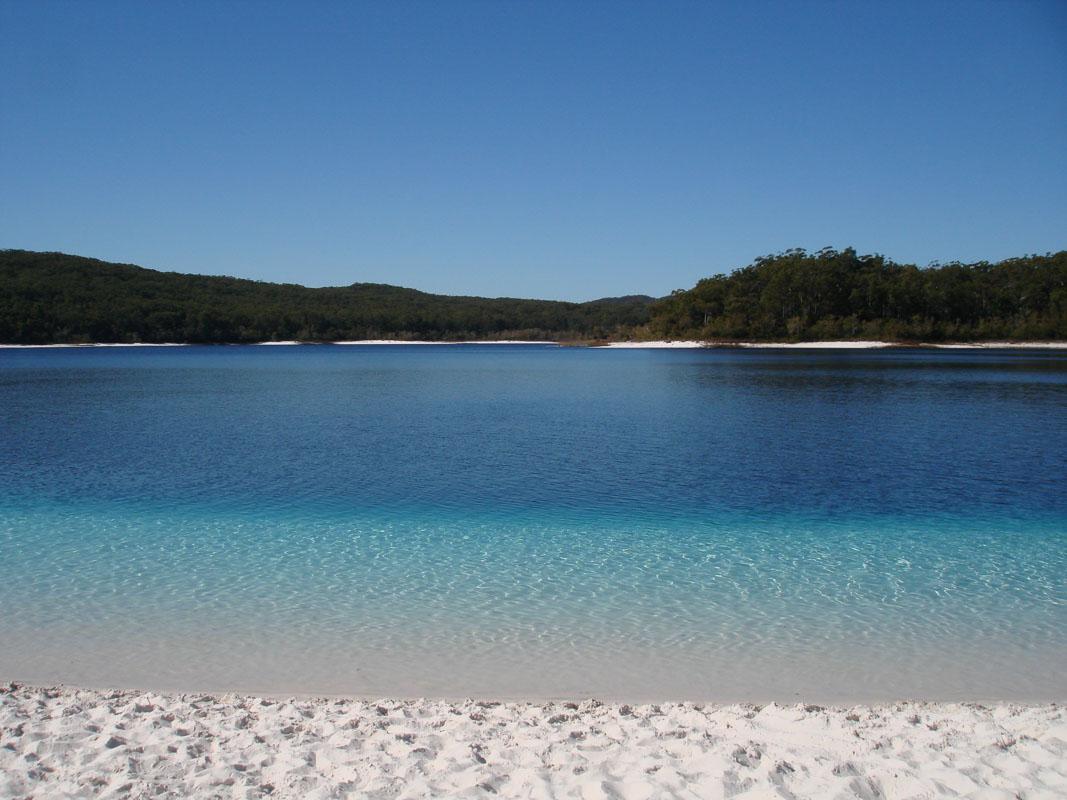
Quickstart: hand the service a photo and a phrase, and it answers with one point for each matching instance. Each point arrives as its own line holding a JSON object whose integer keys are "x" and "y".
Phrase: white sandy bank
{"x": 84, "y": 743}
{"x": 662, "y": 345}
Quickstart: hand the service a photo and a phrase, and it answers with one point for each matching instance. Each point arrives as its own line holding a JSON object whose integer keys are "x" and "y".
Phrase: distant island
{"x": 795, "y": 296}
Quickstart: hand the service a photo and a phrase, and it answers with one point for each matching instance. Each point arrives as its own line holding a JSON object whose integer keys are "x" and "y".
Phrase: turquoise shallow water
{"x": 535, "y": 521}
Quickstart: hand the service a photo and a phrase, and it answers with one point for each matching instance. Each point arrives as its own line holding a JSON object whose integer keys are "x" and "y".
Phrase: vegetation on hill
{"x": 828, "y": 295}
{"x": 55, "y": 298}
{"x": 50, "y": 298}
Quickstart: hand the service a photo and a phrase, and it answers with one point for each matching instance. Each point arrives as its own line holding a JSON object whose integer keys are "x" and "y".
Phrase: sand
{"x": 64, "y": 742}
{"x": 660, "y": 345}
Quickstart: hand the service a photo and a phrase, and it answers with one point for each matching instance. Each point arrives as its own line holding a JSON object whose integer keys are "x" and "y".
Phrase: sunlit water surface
{"x": 528, "y": 521}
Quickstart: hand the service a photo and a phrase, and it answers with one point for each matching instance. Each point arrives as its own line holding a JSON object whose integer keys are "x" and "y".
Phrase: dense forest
{"x": 793, "y": 296}
{"x": 828, "y": 295}
{"x": 55, "y": 298}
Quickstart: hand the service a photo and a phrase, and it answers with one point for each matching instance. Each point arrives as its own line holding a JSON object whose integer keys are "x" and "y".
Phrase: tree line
{"x": 836, "y": 295}
{"x": 48, "y": 298}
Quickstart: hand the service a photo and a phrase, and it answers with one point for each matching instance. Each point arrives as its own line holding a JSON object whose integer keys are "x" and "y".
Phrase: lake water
{"x": 529, "y": 521}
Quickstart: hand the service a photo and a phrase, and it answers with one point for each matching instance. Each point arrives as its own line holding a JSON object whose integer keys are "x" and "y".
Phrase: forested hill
{"x": 48, "y": 298}
{"x": 56, "y": 298}
{"x": 828, "y": 295}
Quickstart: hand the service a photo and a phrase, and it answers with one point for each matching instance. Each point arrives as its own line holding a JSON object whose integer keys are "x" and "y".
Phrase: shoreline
{"x": 414, "y": 688}
{"x": 267, "y": 344}
{"x": 832, "y": 345}
{"x": 663, "y": 344}
{"x": 64, "y": 740}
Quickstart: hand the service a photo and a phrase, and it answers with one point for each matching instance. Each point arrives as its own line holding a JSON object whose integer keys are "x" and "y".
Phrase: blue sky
{"x": 560, "y": 150}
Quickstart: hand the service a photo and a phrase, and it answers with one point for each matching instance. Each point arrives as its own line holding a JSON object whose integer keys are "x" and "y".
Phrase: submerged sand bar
{"x": 66, "y": 742}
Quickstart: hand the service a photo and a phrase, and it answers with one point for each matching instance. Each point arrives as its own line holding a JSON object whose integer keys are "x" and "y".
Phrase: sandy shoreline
{"x": 849, "y": 345}
{"x": 82, "y": 743}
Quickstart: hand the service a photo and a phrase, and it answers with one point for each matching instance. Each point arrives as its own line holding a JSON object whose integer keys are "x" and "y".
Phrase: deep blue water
{"x": 534, "y": 520}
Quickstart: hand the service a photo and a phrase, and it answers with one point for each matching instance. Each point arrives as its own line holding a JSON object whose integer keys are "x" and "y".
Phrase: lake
{"x": 536, "y": 521}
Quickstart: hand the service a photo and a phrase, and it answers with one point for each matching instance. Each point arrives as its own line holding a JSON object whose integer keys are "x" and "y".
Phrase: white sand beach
{"x": 657, "y": 345}
{"x": 64, "y": 742}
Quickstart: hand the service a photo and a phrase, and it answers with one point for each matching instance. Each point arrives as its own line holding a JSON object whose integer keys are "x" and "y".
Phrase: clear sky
{"x": 563, "y": 150}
